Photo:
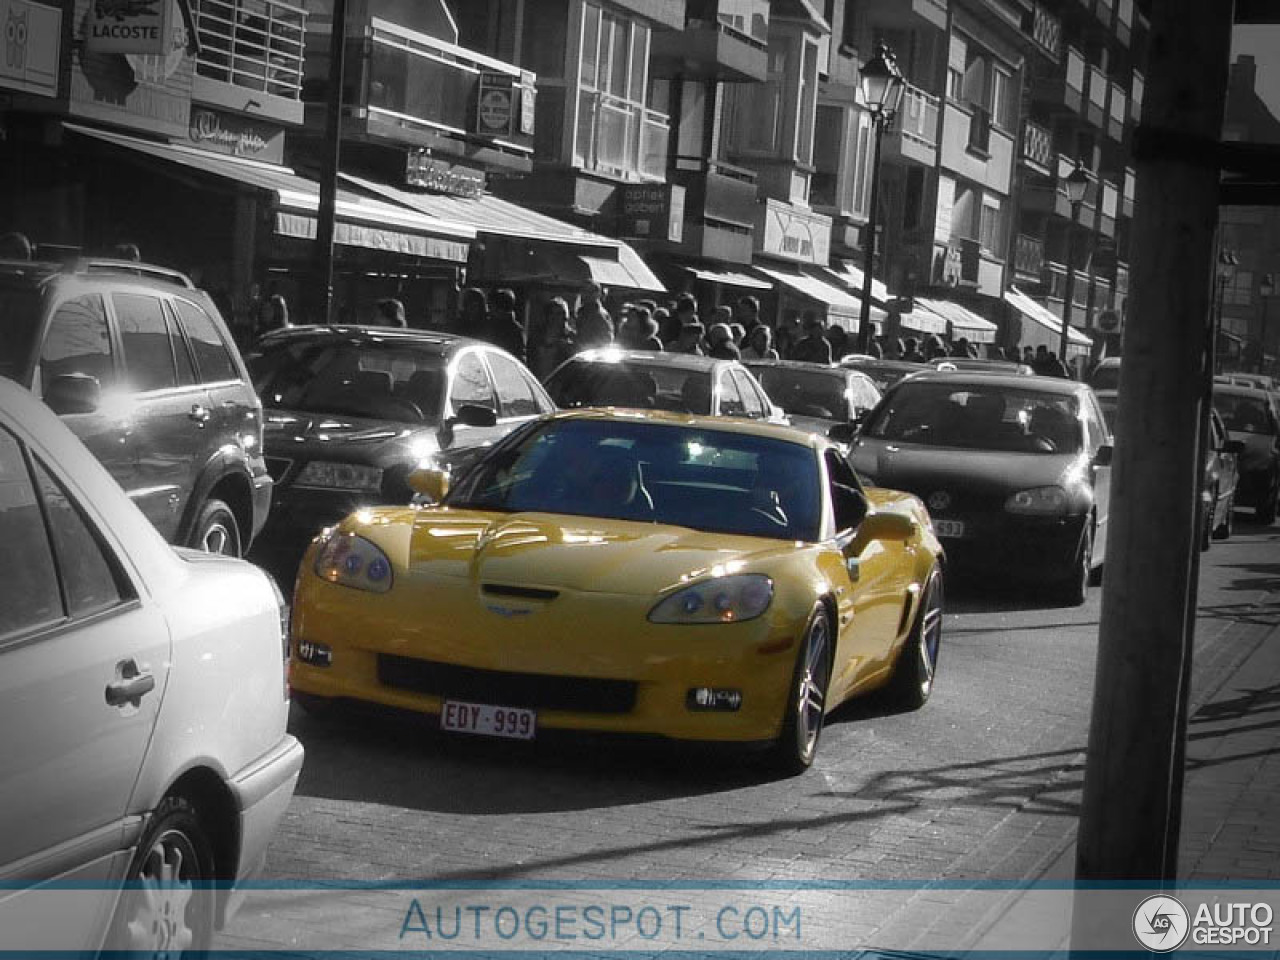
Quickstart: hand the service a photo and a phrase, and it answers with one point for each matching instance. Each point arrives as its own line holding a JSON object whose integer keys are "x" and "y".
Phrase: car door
{"x": 76, "y": 708}
{"x": 871, "y": 586}
{"x": 471, "y": 385}
{"x": 520, "y": 397}
{"x": 172, "y": 419}
{"x": 233, "y": 414}
{"x": 1095, "y": 437}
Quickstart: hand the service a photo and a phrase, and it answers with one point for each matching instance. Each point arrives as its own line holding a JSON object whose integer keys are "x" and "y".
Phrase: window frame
{"x": 451, "y": 410}
{"x": 227, "y": 348}
{"x": 123, "y": 362}
{"x": 116, "y": 351}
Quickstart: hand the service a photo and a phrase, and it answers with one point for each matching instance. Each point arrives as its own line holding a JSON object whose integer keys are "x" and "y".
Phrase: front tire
{"x": 1074, "y": 590}
{"x": 917, "y": 665}
{"x": 216, "y": 530}
{"x": 1227, "y": 527}
{"x": 166, "y": 908}
{"x": 795, "y": 748}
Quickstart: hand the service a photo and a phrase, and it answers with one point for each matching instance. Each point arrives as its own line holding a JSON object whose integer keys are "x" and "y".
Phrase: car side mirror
{"x": 843, "y": 432}
{"x": 1104, "y": 456}
{"x": 887, "y": 526}
{"x": 474, "y": 415}
{"x": 1233, "y": 446}
{"x": 429, "y": 482}
{"x": 73, "y": 393}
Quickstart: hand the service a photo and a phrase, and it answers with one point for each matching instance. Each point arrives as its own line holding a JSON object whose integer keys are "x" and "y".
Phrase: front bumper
{"x": 1257, "y": 487}
{"x": 1009, "y": 547}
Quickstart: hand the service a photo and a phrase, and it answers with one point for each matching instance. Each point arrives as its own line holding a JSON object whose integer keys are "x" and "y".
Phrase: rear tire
{"x": 917, "y": 665}
{"x": 1074, "y": 590}
{"x": 1267, "y": 509}
{"x": 797, "y": 745}
{"x": 1227, "y": 527}
{"x": 216, "y": 530}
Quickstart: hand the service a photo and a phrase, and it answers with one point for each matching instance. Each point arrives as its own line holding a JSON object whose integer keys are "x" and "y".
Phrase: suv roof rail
{"x": 151, "y": 271}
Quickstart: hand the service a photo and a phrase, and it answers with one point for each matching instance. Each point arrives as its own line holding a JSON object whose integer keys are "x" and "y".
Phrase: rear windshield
{"x": 1105, "y": 378}
{"x": 806, "y": 393}
{"x": 1243, "y": 414}
{"x": 649, "y": 386}
{"x": 19, "y": 327}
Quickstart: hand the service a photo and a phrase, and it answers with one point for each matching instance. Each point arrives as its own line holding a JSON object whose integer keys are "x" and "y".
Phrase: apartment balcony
{"x": 1124, "y": 21}
{"x": 1037, "y": 148}
{"x": 417, "y": 90}
{"x": 1135, "y": 97}
{"x": 719, "y": 209}
{"x": 905, "y": 14}
{"x": 1049, "y": 195}
{"x": 1096, "y": 103}
{"x": 722, "y": 40}
{"x": 1108, "y": 207}
{"x": 621, "y": 138}
{"x": 913, "y": 139}
{"x": 1117, "y": 112}
{"x": 251, "y": 54}
{"x": 1064, "y": 88}
{"x": 1046, "y": 33}
{"x": 1128, "y": 192}
{"x": 1028, "y": 257}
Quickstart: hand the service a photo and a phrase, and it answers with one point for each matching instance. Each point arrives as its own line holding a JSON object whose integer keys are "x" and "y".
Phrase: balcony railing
{"x": 1028, "y": 255}
{"x": 1046, "y": 32}
{"x": 1037, "y": 146}
{"x": 918, "y": 116}
{"x": 256, "y": 44}
{"x": 620, "y": 137}
{"x": 747, "y": 18}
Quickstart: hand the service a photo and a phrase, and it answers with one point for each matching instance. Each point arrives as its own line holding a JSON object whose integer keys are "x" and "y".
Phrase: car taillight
{"x": 282, "y": 608}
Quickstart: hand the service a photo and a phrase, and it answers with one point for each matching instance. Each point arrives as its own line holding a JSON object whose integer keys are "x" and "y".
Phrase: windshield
{"x": 704, "y": 479}
{"x": 806, "y": 393}
{"x": 979, "y": 417}
{"x": 19, "y": 325}
{"x": 380, "y": 381}
{"x": 648, "y": 386}
{"x": 1243, "y": 414}
{"x": 1106, "y": 378}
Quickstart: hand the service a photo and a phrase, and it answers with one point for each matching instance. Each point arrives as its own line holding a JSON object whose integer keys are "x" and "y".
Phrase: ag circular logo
{"x": 1161, "y": 923}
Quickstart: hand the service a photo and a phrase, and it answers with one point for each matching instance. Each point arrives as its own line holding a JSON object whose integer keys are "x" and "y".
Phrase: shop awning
{"x": 964, "y": 322}
{"x": 923, "y": 320}
{"x": 361, "y": 221}
{"x": 1042, "y": 315}
{"x": 850, "y": 275}
{"x": 838, "y": 303}
{"x": 729, "y": 278}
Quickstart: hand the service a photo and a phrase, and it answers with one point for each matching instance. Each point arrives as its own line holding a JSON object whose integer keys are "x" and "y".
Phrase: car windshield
{"x": 710, "y": 480}
{"x": 19, "y": 325}
{"x": 1244, "y": 414}
{"x": 806, "y": 393}
{"x": 1106, "y": 378}
{"x": 979, "y": 416}
{"x": 378, "y": 381}
{"x": 614, "y": 383}
{"x": 884, "y": 376}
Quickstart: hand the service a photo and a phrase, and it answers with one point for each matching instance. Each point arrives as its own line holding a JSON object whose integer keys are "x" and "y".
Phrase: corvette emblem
{"x": 939, "y": 500}
{"x": 507, "y": 612}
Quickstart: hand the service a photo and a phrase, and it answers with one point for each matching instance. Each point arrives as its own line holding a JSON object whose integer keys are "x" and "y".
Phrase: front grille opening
{"x": 533, "y": 691}
{"x": 523, "y": 593}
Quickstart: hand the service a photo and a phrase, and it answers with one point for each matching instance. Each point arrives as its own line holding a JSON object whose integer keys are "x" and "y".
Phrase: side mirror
{"x": 1104, "y": 456}
{"x": 73, "y": 393}
{"x": 474, "y": 415}
{"x": 1233, "y": 446}
{"x": 843, "y": 432}
{"x": 887, "y": 526}
{"x": 430, "y": 482}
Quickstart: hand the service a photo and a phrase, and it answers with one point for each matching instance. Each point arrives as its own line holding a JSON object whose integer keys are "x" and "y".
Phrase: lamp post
{"x": 1227, "y": 263}
{"x": 1076, "y": 182}
{"x": 1266, "y": 289}
{"x": 882, "y": 88}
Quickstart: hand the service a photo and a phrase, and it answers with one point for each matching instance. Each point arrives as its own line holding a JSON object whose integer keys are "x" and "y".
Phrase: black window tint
{"x": 213, "y": 358}
{"x": 181, "y": 355}
{"x": 89, "y": 576}
{"x": 516, "y": 395}
{"x": 471, "y": 384}
{"x": 78, "y": 342}
{"x": 29, "y": 589}
{"x": 148, "y": 354}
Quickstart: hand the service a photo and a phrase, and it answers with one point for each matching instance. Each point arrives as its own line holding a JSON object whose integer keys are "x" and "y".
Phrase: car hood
{"x": 553, "y": 552}
{"x": 818, "y": 425}
{"x": 922, "y": 470}
{"x": 312, "y": 436}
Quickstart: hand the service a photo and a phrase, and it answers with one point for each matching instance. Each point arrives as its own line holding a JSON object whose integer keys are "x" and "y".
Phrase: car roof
{"x": 802, "y": 365}
{"x": 676, "y": 361}
{"x": 884, "y": 363}
{"x": 433, "y": 340}
{"x": 1240, "y": 390}
{"x": 692, "y": 421}
{"x": 1013, "y": 381}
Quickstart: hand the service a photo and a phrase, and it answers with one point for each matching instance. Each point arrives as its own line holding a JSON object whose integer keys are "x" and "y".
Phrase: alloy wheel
{"x": 812, "y": 690}
{"x": 157, "y": 922}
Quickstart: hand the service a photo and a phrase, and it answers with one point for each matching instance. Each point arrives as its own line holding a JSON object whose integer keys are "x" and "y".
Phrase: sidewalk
{"x": 1230, "y": 818}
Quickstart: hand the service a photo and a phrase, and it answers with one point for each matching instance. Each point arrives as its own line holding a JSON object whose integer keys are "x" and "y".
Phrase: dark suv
{"x": 140, "y": 366}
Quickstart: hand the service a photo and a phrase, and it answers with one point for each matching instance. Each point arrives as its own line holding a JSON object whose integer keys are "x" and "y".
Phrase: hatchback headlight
{"x": 720, "y": 600}
{"x": 352, "y": 561}
{"x": 1038, "y": 502}
{"x": 340, "y": 476}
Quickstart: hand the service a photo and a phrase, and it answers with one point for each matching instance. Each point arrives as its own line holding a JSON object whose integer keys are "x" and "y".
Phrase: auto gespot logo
{"x": 1162, "y": 923}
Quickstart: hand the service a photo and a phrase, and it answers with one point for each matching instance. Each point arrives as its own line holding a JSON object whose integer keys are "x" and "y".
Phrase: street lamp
{"x": 882, "y": 88}
{"x": 1227, "y": 263}
{"x": 1266, "y": 289}
{"x": 1076, "y": 182}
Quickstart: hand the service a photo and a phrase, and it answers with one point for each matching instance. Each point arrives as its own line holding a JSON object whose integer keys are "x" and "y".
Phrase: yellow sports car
{"x": 691, "y": 577}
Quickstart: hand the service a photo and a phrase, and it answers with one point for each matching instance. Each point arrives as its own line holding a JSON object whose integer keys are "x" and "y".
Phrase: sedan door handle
{"x": 199, "y": 413}
{"x": 130, "y": 686}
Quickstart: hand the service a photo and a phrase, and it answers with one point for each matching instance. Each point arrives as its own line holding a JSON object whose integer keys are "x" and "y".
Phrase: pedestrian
{"x": 748, "y": 313}
{"x": 814, "y": 347}
{"x": 127, "y": 251}
{"x": 391, "y": 313}
{"x": 668, "y": 325}
{"x": 503, "y": 327}
{"x": 720, "y": 341}
{"x": 595, "y": 326}
{"x": 690, "y": 339}
{"x": 874, "y": 350}
{"x": 934, "y": 347}
{"x": 911, "y": 351}
{"x": 1054, "y": 367}
{"x": 759, "y": 344}
{"x": 647, "y": 331}
{"x": 838, "y": 337}
{"x": 555, "y": 342}
{"x": 15, "y": 246}
{"x": 273, "y": 314}
{"x": 896, "y": 348}
{"x": 473, "y": 313}
{"x": 789, "y": 334}
{"x": 738, "y": 333}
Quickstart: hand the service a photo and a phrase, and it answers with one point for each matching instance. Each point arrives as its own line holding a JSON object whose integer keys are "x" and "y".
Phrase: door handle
{"x": 199, "y": 413}
{"x": 130, "y": 686}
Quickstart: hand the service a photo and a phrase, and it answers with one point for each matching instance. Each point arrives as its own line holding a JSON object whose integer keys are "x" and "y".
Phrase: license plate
{"x": 949, "y": 528}
{"x": 513, "y": 723}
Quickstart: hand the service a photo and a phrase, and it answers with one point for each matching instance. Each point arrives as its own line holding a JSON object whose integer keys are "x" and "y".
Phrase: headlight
{"x": 352, "y": 561}
{"x": 1038, "y": 502}
{"x": 722, "y": 600}
{"x": 340, "y": 476}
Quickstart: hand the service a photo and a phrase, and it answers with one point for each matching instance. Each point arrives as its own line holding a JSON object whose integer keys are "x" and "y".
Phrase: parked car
{"x": 1252, "y": 417}
{"x": 744, "y": 580}
{"x": 141, "y": 368}
{"x": 352, "y": 410}
{"x": 1015, "y": 472}
{"x": 1105, "y": 375}
{"x": 1221, "y": 478}
{"x": 815, "y": 397}
{"x": 143, "y": 704}
{"x": 680, "y": 382}
{"x": 884, "y": 373}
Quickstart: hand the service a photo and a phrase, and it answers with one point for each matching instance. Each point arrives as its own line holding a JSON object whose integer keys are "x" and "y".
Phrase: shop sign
{"x": 128, "y": 26}
{"x": 793, "y": 233}
{"x": 236, "y": 135}
{"x": 495, "y": 108}
{"x": 528, "y": 108}
{"x": 425, "y": 171}
{"x": 32, "y": 42}
{"x": 653, "y": 211}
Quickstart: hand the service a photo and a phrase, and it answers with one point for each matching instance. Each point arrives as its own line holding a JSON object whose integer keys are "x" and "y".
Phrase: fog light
{"x": 316, "y": 654}
{"x": 712, "y": 698}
